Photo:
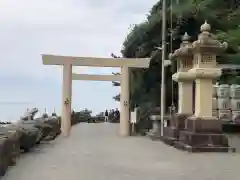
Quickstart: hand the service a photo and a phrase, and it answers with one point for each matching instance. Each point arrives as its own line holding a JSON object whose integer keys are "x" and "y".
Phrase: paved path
{"x": 95, "y": 152}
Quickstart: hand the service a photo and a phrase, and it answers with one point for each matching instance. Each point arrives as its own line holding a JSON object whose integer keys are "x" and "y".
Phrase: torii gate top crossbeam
{"x": 96, "y": 62}
{"x": 95, "y": 77}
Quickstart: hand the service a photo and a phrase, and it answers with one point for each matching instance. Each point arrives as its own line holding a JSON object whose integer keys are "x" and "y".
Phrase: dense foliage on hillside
{"x": 187, "y": 16}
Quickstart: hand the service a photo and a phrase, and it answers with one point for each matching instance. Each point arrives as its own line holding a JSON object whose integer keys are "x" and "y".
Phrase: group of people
{"x": 112, "y": 115}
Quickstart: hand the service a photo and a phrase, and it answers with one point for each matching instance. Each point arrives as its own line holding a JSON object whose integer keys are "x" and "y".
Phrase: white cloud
{"x": 68, "y": 27}
{"x": 35, "y": 11}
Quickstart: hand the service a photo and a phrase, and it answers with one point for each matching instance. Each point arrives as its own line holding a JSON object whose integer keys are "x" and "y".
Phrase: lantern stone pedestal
{"x": 203, "y": 135}
{"x": 155, "y": 132}
{"x": 203, "y": 132}
{"x": 171, "y": 133}
{"x": 177, "y": 121}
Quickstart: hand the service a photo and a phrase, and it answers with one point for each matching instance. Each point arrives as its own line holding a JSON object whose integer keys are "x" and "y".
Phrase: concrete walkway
{"x": 95, "y": 152}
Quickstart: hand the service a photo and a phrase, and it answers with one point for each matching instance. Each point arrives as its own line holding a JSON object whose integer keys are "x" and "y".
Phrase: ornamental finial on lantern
{"x": 205, "y": 27}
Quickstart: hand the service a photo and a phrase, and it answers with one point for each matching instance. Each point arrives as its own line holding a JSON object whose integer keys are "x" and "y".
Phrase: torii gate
{"x": 68, "y": 61}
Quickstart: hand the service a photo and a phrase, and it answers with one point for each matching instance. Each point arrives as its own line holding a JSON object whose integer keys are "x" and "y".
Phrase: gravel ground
{"x": 95, "y": 152}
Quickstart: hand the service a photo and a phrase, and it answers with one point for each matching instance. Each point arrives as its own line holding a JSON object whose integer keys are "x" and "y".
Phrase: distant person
{"x": 117, "y": 114}
{"x": 106, "y": 116}
{"x": 110, "y": 115}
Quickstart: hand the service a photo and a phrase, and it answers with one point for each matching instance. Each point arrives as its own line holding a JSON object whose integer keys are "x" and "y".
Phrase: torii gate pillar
{"x": 66, "y": 99}
{"x": 124, "y": 102}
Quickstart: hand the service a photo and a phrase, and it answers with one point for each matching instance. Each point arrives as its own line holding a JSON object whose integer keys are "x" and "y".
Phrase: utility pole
{"x": 163, "y": 60}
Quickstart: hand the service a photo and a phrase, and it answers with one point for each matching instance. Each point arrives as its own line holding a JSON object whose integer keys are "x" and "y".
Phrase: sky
{"x": 29, "y": 28}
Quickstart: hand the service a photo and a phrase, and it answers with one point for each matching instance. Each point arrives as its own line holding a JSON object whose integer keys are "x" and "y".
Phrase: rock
{"x": 30, "y": 137}
{"x": 43, "y": 129}
{"x": 47, "y": 127}
{"x": 25, "y": 134}
{"x": 55, "y": 124}
{"x": 3, "y": 155}
{"x": 9, "y": 147}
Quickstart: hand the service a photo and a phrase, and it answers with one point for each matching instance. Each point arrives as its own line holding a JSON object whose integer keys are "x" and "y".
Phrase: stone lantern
{"x": 203, "y": 132}
{"x": 184, "y": 59}
{"x": 206, "y": 48}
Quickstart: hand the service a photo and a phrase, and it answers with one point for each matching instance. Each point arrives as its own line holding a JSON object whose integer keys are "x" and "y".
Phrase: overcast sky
{"x": 29, "y": 28}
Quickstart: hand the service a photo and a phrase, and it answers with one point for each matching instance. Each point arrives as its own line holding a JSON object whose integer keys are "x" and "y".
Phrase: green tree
{"x": 187, "y": 16}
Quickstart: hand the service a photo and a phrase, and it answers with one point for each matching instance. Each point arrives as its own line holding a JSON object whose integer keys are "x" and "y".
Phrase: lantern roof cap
{"x": 207, "y": 43}
{"x": 185, "y": 48}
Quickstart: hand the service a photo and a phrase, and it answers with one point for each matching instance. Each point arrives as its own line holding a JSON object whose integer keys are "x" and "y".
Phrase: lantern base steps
{"x": 194, "y": 149}
{"x": 171, "y": 132}
{"x": 203, "y": 135}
